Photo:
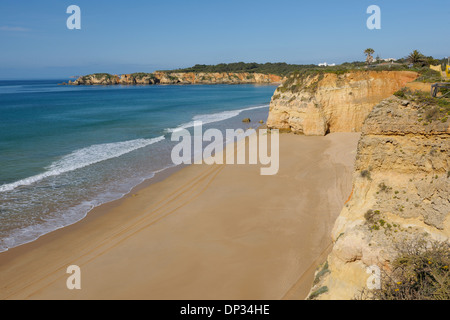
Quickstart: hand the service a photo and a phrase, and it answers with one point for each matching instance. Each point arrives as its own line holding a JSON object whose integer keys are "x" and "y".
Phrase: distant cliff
{"x": 400, "y": 192}
{"x": 314, "y": 103}
{"x": 176, "y": 78}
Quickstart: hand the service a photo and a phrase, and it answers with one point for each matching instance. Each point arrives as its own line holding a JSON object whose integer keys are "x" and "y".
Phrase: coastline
{"x": 94, "y": 213}
{"x": 64, "y": 195}
{"x": 175, "y": 77}
{"x": 237, "y": 238}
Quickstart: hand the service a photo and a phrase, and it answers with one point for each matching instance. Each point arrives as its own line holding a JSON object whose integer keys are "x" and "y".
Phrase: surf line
{"x": 182, "y": 152}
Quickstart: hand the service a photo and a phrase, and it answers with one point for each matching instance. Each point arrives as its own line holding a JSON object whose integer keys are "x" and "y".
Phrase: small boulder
{"x": 246, "y": 120}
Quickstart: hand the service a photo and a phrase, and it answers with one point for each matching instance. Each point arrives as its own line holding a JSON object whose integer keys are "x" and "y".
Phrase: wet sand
{"x": 202, "y": 232}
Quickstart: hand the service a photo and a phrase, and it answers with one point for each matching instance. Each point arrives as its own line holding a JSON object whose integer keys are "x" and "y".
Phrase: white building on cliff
{"x": 326, "y": 64}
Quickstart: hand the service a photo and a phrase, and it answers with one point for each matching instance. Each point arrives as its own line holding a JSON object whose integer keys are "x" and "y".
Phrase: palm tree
{"x": 415, "y": 57}
{"x": 369, "y": 52}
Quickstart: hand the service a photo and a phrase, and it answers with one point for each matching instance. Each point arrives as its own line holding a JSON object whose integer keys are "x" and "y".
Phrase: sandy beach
{"x": 201, "y": 232}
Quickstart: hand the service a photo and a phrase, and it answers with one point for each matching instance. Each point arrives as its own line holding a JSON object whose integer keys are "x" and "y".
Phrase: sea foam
{"x": 213, "y": 117}
{"x": 82, "y": 158}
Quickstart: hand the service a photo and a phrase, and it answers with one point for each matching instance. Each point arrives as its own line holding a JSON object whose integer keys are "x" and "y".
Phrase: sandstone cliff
{"x": 400, "y": 191}
{"x": 317, "y": 103}
{"x": 176, "y": 78}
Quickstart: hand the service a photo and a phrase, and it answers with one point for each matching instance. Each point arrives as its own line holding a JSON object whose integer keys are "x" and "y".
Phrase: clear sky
{"x": 147, "y": 35}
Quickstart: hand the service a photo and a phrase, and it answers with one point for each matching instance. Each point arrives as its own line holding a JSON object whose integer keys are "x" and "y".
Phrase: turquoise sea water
{"x": 67, "y": 149}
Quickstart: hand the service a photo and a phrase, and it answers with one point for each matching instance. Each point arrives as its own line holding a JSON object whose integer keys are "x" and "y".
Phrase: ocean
{"x": 67, "y": 149}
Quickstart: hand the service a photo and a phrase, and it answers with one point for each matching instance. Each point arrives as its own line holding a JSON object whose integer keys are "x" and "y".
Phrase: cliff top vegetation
{"x": 278, "y": 68}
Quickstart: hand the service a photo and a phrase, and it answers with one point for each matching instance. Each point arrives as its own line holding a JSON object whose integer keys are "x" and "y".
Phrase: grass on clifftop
{"x": 429, "y": 76}
{"x": 430, "y": 108}
{"x": 296, "y": 79}
{"x": 140, "y": 75}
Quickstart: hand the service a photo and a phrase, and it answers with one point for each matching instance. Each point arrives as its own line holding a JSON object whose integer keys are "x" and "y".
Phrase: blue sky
{"x": 138, "y": 35}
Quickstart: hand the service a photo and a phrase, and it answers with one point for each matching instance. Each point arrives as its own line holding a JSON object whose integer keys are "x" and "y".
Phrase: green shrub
{"x": 428, "y": 75}
{"x": 432, "y": 113}
{"x": 321, "y": 273}
{"x": 371, "y": 215}
{"x": 365, "y": 174}
{"x": 318, "y": 292}
{"x": 399, "y": 93}
{"x": 419, "y": 272}
{"x": 384, "y": 188}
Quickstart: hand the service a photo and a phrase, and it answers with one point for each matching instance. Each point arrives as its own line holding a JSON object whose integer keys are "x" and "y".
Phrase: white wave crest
{"x": 213, "y": 117}
{"x": 82, "y": 158}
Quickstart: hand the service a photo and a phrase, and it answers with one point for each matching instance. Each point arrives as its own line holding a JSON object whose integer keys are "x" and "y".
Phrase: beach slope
{"x": 204, "y": 232}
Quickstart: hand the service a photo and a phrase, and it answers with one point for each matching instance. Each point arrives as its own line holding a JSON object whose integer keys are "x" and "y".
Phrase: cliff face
{"x": 175, "y": 78}
{"x": 319, "y": 103}
{"x": 400, "y": 192}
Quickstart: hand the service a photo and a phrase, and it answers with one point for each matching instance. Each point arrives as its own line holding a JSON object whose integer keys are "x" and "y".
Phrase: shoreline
{"x": 82, "y": 214}
{"x": 91, "y": 214}
{"x": 158, "y": 176}
{"x": 106, "y": 223}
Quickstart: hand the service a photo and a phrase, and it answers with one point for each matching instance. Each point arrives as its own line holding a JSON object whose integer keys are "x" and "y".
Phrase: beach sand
{"x": 203, "y": 232}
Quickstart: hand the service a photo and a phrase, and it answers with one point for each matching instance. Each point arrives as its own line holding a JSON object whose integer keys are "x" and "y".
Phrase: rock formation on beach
{"x": 400, "y": 192}
{"x": 162, "y": 77}
{"x": 316, "y": 103}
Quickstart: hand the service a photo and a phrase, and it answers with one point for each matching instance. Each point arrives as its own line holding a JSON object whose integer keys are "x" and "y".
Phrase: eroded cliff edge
{"x": 161, "y": 77}
{"x": 314, "y": 103}
{"x": 400, "y": 192}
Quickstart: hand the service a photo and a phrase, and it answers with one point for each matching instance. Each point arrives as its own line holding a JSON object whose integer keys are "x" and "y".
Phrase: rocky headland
{"x": 315, "y": 103}
{"x": 162, "y": 77}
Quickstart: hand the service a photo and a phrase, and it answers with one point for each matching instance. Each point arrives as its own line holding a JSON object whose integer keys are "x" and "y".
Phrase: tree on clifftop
{"x": 369, "y": 52}
{"x": 416, "y": 58}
